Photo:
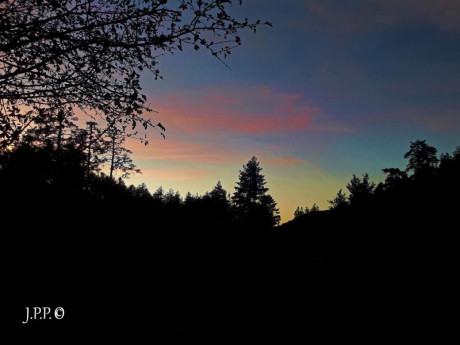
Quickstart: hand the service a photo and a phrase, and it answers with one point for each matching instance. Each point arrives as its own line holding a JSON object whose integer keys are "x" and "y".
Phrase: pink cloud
{"x": 220, "y": 99}
{"x": 203, "y": 129}
{"x": 236, "y": 110}
{"x": 206, "y": 153}
{"x": 251, "y": 123}
{"x": 182, "y": 150}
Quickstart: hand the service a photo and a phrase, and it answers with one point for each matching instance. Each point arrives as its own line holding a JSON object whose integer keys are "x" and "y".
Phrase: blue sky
{"x": 333, "y": 88}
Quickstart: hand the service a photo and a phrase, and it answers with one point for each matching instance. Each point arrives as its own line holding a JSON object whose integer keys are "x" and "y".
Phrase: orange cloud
{"x": 185, "y": 151}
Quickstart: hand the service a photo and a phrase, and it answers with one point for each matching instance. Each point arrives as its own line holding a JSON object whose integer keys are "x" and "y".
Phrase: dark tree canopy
{"x": 90, "y": 53}
{"x": 250, "y": 200}
{"x": 314, "y": 208}
{"x": 218, "y": 193}
{"x": 251, "y": 185}
{"x": 394, "y": 177}
{"x": 217, "y": 203}
{"x": 339, "y": 201}
{"x": 117, "y": 155}
{"x": 422, "y": 157}
{"x": 299, "y": 211}
{"x": 360, "y": 189}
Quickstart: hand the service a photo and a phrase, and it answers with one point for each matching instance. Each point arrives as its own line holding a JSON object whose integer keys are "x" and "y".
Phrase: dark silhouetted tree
{"x": 96, "y": 148}
{"x": 422, "y": 158}
{"x": 314, "y": 208}
{"x": 339, "y": 201}
{"x": 189, "y": 199}
{"x": 445, "y": 159}
{"x": 52, "y": 127}
{"x": 172, "y": 199}
{"x": 252, "y": 205}
{"x": 360, "y": 190}
{"x": 159, "y": 195}
{"x": 90, "y": 53}
{"x": 141, "y": 192}
{"x": 394, "y": 177}
{"x": 54, "y": 130}
{"x": 251, "y": 185}
{"x": 34, "y": 167}
{"x": 456, "y": 154}
{"x": 299, "y": 211}
{"x": 268, "y": 204}
{"x": 118, "y": 156}
{"x": 218, "y": 205}
{"x": 219, "y": 194}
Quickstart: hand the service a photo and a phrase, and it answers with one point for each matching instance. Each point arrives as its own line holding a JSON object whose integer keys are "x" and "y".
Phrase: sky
{"x": 334, "y": 88}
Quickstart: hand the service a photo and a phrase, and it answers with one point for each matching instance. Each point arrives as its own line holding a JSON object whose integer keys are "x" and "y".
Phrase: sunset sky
{"x": 334, "y": 88}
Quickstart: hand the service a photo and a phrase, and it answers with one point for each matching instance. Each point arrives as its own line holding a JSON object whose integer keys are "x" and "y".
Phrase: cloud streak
{"x": 184, "y": 151}
{"x": 168, "y": 174}
{"x": 206, "y": 153}
{"x": 236, "y": 110}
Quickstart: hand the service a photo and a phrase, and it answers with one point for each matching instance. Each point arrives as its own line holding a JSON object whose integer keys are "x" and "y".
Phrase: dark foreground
{"x": 330, "y": 275}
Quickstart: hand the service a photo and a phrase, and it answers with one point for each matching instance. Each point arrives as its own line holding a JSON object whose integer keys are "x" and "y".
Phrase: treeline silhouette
{"x": 400, "y": 189}
{"x": 388, "y": 251}
{"x": 49, "y": 174}
{"x": 124, "y": 261}
{"x": 117, "y": 257}
{"x": 160, "y": 262}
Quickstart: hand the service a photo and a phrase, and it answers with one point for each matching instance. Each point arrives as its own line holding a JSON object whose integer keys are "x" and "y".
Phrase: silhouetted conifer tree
{"x": 158, "y": 195}
{"x": 141, "y": 192}
{"x": 172, "y": 199}
{"x": 218, "y": 205}
{"x": 339, "y": 201}
{"x": 252, "y": 205}
{"x": 360, "y": 190}
{"x": 219, "y": 194}
{"x": 299, "y": 211}
{"x": 314, "y": 208}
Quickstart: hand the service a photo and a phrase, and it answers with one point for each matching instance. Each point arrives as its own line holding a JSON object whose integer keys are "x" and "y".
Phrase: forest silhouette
{"x": 218, "y": 266}
{"x": 124, "y": 261}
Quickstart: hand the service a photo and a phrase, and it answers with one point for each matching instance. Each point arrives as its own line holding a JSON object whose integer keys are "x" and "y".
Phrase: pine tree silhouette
{"x": 252, "y": 205}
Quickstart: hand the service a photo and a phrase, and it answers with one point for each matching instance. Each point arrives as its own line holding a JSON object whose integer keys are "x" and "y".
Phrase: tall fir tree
{"x": 252, "y": 205}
